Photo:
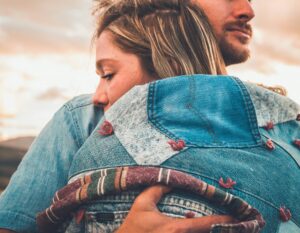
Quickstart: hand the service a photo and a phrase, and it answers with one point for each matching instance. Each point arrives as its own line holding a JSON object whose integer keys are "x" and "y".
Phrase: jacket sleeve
{"x": 41, "y": 173}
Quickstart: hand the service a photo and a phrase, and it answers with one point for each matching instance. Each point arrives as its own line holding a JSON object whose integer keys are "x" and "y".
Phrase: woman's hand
{"x": 144, "y": 217}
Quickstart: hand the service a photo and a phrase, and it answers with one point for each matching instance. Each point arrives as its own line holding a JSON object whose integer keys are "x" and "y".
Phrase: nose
{"x": 244, "y": 11}
{"x": 100, "y": 96}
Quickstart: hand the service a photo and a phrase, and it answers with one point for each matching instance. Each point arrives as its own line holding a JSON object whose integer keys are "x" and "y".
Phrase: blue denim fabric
{"x": 220, "y": 114}
{"x": 214, "y": 115}
{"x": 45, "y": 167}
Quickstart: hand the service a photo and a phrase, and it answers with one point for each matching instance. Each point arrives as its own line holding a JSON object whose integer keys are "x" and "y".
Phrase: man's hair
{"x": 171, "y": 37}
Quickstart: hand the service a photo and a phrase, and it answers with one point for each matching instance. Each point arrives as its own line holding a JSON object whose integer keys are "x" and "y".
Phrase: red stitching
{"x": 285, "y": 214}
{"x": 106, "y": 129}
{"x": 269, "y": 126}
{"x": 297, "y": 143}
{"x": 270, "y": 145}
{"x": 177, "y": 146}
{"x": 229, "y": 183}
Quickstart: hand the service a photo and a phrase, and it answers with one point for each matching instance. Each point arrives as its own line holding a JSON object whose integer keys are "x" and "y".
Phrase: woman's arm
{"x": 41, "y": 173}
{"x": 145, "y": 217}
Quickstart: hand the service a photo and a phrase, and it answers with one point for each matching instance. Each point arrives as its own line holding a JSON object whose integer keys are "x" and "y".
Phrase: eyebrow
{"x": 99, "y": 63}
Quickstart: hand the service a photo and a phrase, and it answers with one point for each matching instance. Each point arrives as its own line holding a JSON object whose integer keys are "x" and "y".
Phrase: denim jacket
{"x": 231, "y": 129}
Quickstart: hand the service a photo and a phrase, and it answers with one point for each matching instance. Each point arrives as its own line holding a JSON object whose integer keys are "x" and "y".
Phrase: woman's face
{"x": 118, "y": 71}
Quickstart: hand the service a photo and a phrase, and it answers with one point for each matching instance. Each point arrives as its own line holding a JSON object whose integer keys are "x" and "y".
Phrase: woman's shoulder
{"x": 81, "y": 101}
{"x": 82, "y": 114}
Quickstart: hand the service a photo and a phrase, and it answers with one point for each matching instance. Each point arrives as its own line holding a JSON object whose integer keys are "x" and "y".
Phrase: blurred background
{"x": 46, "y": 56}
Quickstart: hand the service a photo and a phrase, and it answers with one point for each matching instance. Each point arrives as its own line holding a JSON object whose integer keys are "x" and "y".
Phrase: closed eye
{"x": 107, "y": 76}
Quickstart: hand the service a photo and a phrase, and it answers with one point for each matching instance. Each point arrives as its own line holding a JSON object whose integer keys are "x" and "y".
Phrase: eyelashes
{"x": 107, "y": 76}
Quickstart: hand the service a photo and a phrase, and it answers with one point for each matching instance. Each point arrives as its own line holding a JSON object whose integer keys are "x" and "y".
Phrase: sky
{"x": 46, "y": 56}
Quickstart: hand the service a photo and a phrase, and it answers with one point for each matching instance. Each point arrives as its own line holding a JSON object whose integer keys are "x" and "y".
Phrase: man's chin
{"x": 234, "y": 52}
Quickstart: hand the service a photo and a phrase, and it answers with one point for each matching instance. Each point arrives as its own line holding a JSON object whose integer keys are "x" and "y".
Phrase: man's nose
{"x": 243, "y": 10}
{"x": 100, "y": 96}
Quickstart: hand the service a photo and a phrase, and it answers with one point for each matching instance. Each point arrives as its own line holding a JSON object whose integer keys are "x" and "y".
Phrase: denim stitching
{"x": 75, "y": 123}
{"x": 248, "y": 104}
{"x": 208, "y": 126}
{"x": 283, "y": 148}
{"x": 151, "y": 113}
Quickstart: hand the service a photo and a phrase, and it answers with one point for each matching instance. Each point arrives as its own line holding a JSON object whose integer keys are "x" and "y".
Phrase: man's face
{"x": 230, "y": 21}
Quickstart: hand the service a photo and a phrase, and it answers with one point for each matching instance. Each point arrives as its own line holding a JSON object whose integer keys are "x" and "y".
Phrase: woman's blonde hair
{"x": 171, "y": 37}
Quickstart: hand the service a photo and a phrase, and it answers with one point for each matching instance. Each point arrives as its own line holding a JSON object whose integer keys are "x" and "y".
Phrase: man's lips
{"x": 246, "y": 32}
{"x": 243, "y": 29}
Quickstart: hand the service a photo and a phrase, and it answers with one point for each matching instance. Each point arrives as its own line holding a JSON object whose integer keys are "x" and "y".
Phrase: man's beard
{"x": 234, "y": 54}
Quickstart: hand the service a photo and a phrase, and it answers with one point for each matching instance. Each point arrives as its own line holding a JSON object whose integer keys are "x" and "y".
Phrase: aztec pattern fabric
{"x": 115, "y": 180}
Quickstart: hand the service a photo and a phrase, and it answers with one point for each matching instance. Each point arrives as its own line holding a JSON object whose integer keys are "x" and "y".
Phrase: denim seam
{"x": 151, "y": 116}
{"x": 77, "y": 128}
{"x": 250, "y": 109}
{"x": 80, "y": 106}
{"x": 76, "y": 105}
{"x": 280, "y": 146}
{"x": 190, "y": 106}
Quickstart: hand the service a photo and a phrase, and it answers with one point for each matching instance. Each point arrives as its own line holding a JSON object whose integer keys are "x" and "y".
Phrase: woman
{"x": 160, "y": 37}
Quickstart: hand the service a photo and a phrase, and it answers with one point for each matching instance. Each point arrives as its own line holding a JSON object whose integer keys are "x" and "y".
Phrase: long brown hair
{"x": 171, "y": 37}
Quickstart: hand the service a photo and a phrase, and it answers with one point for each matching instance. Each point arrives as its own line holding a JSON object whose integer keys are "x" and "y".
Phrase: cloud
{"x": 51, "y": 94}
{"x": 279, "y": 16}
{"x": 276, "y": 33}
{"x": 35, "y": 26}
{"x": 54, "y": 13}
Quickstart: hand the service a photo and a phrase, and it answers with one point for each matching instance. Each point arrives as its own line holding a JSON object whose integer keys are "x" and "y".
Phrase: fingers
{"x": 148, "y": 199}
{"x": 202, "y": 224}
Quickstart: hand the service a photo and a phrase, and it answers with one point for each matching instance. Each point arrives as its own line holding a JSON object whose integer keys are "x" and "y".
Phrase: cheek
{"x": 217, "y": 20}
{"x": 117, "y": 90}
{"x": 219, "y": 29}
